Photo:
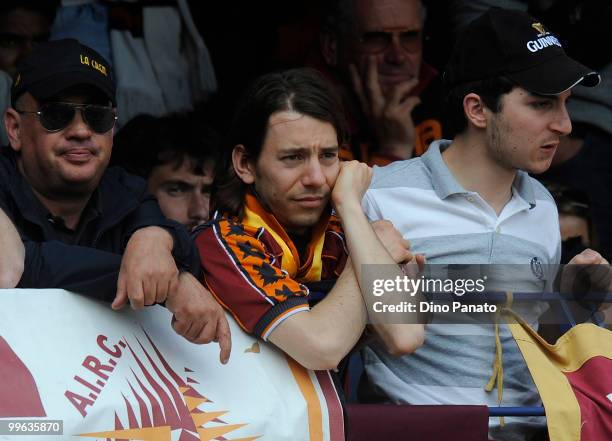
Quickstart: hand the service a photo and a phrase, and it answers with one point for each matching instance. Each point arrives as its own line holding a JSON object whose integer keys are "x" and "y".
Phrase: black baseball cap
{"x": 56, "y": 65}
{"x": 513, "y": 44}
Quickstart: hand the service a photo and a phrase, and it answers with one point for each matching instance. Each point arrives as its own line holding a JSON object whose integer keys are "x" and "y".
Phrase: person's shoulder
{"x": 399, "y": 174}
{"x": 540, "y": 192}
{"x": 228, "y": 228}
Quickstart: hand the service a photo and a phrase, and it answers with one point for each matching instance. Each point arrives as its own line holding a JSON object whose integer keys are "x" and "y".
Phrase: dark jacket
{"x": 119, "y": 206}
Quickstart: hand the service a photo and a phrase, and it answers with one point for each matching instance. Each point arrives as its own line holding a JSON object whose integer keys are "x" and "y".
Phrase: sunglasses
{"x": 379, "y": 41}
{"x": 57, "y": 116}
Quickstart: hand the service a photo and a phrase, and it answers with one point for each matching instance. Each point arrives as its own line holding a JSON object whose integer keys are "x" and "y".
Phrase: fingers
{"x": 395, "y": 244}
{"x": 200, "y": 332}
{"x": 181, "y": 327}
{"x": 149, "y": 290}
{"x": 147, "y": 268}
{"x": 371, "y": 97}
{"x": 588, "y": 257}
{"x": 400, "y": 105}
{"x": 164, "y": 288}
{"x": 173, "y": 286}
{"x": 415, "y": 266}
{"x": 197, "y": 315}
{"x": 374, "y": 91}
{"x": 600, "y": 276}
{"x": 121, "y": 297}
{"x": 224, "y": 338}
{"x": 208, "y": 331}
{"x": 400, "y": 93}
{"x": 586, "y": 273}
{"x": 353, "y": 180}
{"x": 136, "y": 293}
{"x": 410, "y": 103}
{"x": 358, "y": 88}
{"x": 421, "y": 260}
{"x": 410, "y": 268}
{"x": 162, "y": 294}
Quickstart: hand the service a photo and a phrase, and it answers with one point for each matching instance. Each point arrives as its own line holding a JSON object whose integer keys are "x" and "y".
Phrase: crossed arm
{"x": 145, "y": 274}
{"x": 148, "y": 275}
{"x": 321, "y": 337}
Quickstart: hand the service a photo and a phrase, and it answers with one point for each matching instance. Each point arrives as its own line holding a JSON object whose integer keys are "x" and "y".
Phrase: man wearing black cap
{"x": 471, "y": 201}
{"x": 85, "y": 228}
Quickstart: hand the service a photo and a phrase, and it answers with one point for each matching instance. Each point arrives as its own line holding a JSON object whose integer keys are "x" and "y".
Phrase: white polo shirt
{"x": 451, "y": 225}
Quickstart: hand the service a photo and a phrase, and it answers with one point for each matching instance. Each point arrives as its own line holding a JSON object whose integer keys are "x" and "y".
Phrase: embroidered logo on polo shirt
{"x": 536, "y": 268}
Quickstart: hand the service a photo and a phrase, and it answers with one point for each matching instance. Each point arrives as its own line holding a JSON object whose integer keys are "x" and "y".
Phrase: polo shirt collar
{"x": 445, "y": 184}
{"x": 443, "y": 181}
{"x": 524, "y": 187}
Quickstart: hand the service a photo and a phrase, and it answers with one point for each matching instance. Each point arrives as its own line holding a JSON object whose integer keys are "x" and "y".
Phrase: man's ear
{"x": 243, "y": 164}
{"x": 12, "y": 123}
{"x": 328, "y": 41}
{"x": 475, "y": 110}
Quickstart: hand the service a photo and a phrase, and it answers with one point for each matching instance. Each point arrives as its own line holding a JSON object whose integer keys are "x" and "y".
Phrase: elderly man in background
{"x": 375, "y": 51}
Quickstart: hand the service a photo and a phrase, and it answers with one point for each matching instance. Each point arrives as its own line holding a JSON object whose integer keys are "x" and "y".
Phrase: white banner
{"x": 128, "y": 376}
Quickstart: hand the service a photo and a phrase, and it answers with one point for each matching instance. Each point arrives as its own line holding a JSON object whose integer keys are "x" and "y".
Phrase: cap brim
{"x": 55, "y": 84}
{"x": 555, "y": 76}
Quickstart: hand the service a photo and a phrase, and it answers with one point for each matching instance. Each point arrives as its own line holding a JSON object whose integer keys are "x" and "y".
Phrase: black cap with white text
{"x": 515, "y": 45}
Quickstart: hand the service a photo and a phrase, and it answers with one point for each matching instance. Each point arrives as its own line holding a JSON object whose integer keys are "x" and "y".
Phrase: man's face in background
{"x": 387, "y": 33}
{"x": 20, "y": 30}
{"x": 183, "y": 191}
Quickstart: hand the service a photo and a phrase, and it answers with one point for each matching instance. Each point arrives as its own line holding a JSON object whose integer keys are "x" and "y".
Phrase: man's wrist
{"x": 348, "y": 208}
{"x": 157, "y": 234}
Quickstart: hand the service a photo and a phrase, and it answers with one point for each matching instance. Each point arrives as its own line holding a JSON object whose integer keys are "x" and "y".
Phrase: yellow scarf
{"x": 310, "y": 269}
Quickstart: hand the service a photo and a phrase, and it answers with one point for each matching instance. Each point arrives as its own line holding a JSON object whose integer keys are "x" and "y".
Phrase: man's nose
{"x": 78, "y": 128}
{"x": 395, "y": 53}
{"x": 313, "y": 174}
{"x": 562, "y": 123}
{"x": 198, "y": 209}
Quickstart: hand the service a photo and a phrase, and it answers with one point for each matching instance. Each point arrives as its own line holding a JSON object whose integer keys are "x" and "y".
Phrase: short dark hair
{"x": 490, "y": 90}
{"x": 46, "y": 8}
{"x": 147, "y": 141}
{"x": 301, "y": 90}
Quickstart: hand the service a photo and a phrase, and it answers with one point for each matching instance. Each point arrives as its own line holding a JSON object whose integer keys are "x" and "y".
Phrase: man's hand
{"x": 351, "y": 184}
{"x": 148, "y": 272}
{"x": 587, "y": 272}
{"x": 394, "y": 243}
{"x": 414, "y": 267}
{"x": 389, "y": 116}
{"x": 197, "y": 315}
{"x": 588, "y": 257}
